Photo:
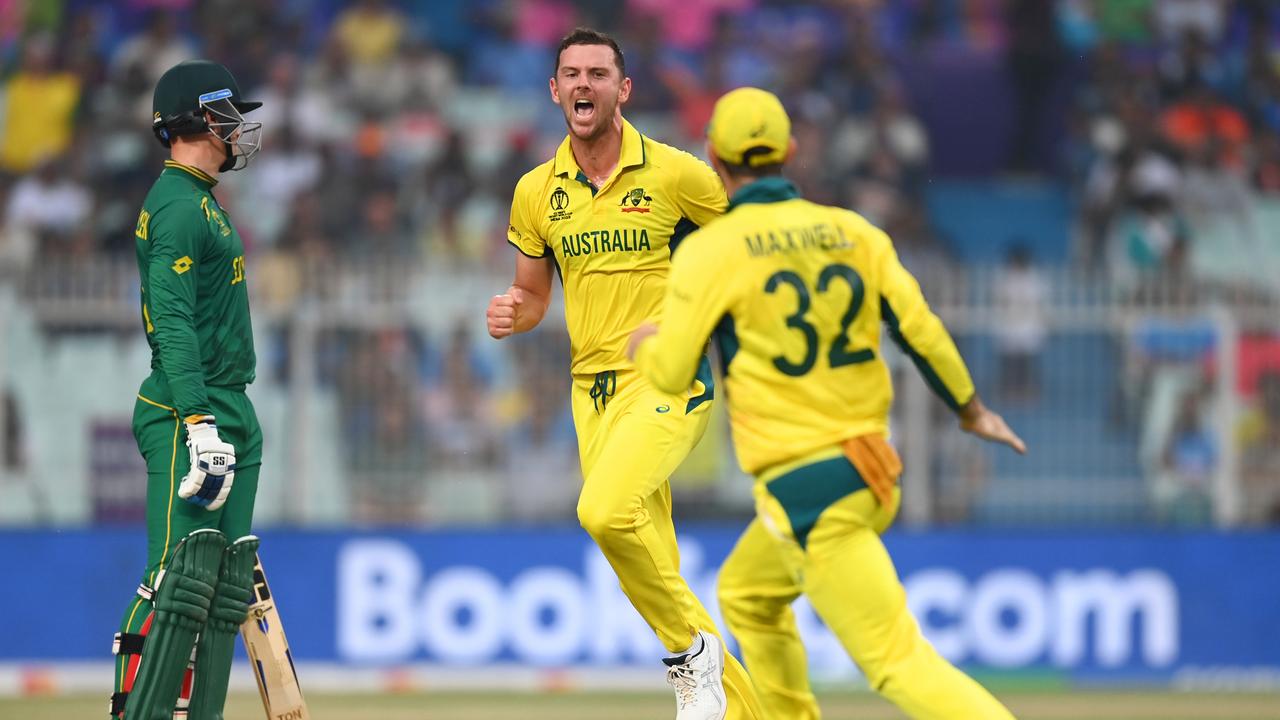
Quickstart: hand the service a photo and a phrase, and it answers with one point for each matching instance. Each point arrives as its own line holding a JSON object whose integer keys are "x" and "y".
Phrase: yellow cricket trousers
{"x": 631, "y": 437}
{"x": 817, "y": 531}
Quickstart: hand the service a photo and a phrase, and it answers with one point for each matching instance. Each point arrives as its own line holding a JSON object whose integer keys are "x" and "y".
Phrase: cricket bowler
{"x": 194, "y": 424}
{"x": 606, "y": 213}
{"x": 796, "y": 293}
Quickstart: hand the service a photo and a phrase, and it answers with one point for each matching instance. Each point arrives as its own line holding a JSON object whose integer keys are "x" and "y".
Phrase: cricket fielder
{"x": 197, "y": 586}
{"x": 797, "y": 293}
{"x": 606, "y": 213}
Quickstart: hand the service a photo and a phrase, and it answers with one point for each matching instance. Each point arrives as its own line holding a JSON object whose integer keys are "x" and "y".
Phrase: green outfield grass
{"x": 648, "y": 706}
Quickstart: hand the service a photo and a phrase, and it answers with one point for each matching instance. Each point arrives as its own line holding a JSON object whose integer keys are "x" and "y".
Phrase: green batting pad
{"x": 217, "y": 641}
{"x": 182, "y": 603}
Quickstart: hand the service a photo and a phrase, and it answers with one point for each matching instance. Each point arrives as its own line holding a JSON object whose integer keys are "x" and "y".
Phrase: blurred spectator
{"x": 518, "y": 161}
{"x": 861, "y": 77}
{"x": 1131, "y": 199}
{"x": 1156, "y": 260}
{"x": 13, "y": 458}
{"x": 1201, "y": 119}
{"x": 1266, "y": 166}
{"x": 50, "y": 206}
{"x": 460, "y": 407}
{"x": 369, "y": 32}
{"x": 541, "y": 447}
{"x": 1191, "y": 65}
{"x": 1078, "y": 24}
{"x": 815, "y": 178}
{"x": 876, "y": 190}
{"x": 502, "y": 59}
{"x": 151, "y": 52}
{"x": 449, "y": 183}
{"x": 310, "y": 108}
{"x": 1032, "y": 61}
{"x": 384, "y": 433}
{"x": 1126, "y": 21}
{"x": 1021, "y": 334}
{"x": 1210, "y": 190}
{"x": 16, "y": 247}
{"x": 1219, "y": 204}
{"x": 1260, "y": 453}
{"x": 290, "y": 169}
{"x": 40, "y": 102}
{"x": 888, "y": 134}
{"x": 421, "y": 77}
{"x": 245, "y": 36}
{"x": 1175, "y": 19}
{"x": 740, "y": 60}
{"x": 327, "y": 88}
{"x": 648, "y": 66}
{"x": 384, "y": 234}
{"x": 1260, "y": 87}
{"x": 695, "y": 96}
{"x": 544, "y": 22}
{"x": 11, "y": 23}
{"x": 811, "y": 87}
{"x": 686, "y": 26}
{"x": 1187, "y": 465}
{"x": 82, "y": 44}
{"x": 1165, "y": 354}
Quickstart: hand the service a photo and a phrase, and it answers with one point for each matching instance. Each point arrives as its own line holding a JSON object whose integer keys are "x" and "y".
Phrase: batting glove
{"x": 213, "y": 466}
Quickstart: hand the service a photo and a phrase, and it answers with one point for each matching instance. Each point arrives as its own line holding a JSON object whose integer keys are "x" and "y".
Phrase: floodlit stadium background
{"x": 1088, "y": 191}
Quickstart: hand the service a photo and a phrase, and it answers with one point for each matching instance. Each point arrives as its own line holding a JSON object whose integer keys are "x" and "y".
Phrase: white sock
{"x": 693, "y": 649}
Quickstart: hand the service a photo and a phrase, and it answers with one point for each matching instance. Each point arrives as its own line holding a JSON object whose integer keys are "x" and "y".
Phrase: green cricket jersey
{"x": 195, "y": 305}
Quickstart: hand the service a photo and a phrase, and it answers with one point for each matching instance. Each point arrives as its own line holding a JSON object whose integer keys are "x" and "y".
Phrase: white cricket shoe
{"x": 697, "y": 680}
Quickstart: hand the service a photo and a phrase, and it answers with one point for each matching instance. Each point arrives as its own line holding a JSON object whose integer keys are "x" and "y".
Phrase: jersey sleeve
{"x": 919, "y": 332}
{"x": 699, "y": 292}
{"x": 177, "y": 234}
{"x": 699, "y": 194}
{"x": 521, "y": 230}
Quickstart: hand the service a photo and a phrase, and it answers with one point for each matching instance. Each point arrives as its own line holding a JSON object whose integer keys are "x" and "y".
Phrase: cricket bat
{"x": 269, "y": 654}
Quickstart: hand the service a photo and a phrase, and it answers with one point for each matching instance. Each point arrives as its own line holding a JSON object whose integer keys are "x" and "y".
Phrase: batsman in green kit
{"x": 194, "y": 424}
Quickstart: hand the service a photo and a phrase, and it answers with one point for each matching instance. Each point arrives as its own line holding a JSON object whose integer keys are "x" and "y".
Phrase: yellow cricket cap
{"x": 749, "y": 118}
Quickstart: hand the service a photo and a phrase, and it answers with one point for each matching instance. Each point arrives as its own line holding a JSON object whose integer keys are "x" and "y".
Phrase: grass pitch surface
{"x": 650, "y": 706}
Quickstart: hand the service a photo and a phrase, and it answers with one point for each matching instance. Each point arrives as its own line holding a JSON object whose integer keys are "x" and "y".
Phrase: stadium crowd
{"x": 395, "y": 132}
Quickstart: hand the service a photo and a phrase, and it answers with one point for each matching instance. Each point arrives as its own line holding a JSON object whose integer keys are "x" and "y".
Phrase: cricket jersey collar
{"x": 765, "y": 190}
{"x": 198, "y": 177}
{"x": 631, "y": 154}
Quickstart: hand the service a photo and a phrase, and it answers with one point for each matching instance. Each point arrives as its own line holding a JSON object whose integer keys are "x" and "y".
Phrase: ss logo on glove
{"x": 213, "y": 465}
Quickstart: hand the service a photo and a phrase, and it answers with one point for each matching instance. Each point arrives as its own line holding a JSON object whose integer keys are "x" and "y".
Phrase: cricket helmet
{"x": 189, "y": 90}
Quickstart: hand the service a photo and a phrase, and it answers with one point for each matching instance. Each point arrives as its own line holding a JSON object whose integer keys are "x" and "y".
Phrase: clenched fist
{"x": 501, "y": 316}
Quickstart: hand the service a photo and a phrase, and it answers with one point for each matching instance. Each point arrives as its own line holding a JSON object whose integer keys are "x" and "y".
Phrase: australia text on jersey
{"x": 599, "y": 241}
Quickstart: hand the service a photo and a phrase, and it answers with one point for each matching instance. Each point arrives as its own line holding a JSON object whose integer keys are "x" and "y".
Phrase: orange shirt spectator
{"x": 1201, "y": 120}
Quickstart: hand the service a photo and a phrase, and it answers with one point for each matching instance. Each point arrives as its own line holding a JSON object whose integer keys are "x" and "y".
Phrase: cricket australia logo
{"x": 636, "y": 201}
{"x": 559, "y": 206}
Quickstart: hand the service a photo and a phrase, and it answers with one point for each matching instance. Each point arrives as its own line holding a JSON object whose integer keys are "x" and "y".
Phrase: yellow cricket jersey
{"x": 796, "y": 293}
{"x": 612, "y": 245}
